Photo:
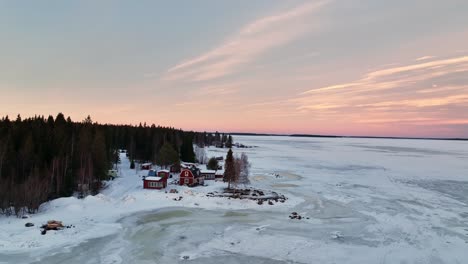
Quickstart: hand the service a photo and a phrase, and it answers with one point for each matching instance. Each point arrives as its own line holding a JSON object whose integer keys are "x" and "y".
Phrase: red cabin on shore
{"x": 190, "y": 178}
{"x": 146, "y": 166}
{"x": 154, "y": 182}
{"x": 186, "y": 177}
{"x": 164, "y": 174}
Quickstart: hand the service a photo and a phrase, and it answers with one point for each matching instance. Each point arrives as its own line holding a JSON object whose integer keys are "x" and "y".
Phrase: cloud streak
{"x": 422, "y": 93}
{"x": 247, "y": 44}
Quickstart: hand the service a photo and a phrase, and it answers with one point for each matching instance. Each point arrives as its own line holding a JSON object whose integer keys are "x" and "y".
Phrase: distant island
{"x": 336, "y": 136}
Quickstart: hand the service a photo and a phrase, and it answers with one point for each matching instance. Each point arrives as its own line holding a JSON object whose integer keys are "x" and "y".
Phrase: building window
{"x": 154, "y": 184}
{"x": 186, "y": 181}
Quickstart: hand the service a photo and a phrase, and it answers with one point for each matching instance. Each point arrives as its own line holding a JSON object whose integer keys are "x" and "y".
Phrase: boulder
{"x": 53, "y": 225}
{"x": 29, "y": 224}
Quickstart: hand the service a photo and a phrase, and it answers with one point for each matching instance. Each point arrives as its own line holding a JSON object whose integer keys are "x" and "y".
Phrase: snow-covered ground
{"x": 367, "y": 200}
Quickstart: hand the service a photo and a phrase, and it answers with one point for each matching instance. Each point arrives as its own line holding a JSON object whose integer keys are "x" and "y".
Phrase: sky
{"x": 336, "y": 67}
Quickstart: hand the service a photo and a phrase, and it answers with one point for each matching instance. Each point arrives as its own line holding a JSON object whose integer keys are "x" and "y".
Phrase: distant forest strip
{"x": 46, "y": 158}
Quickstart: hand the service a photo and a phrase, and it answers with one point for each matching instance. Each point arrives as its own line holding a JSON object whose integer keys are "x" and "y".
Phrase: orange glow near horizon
{"x": 277, "y": 68}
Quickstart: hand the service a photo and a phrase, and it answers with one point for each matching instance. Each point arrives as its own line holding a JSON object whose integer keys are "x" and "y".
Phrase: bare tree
{"x": 200, "y": 154}
{"x": 242, "y": 169}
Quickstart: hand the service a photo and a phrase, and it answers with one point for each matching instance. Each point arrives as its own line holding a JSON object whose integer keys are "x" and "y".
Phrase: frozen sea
{"x": 366, "y": 200}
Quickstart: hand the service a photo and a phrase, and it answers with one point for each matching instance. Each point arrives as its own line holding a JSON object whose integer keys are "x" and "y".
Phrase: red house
{"x": 190, "y": 178}
{"x": 208, "y": 174}
{"x": 154, "y": 182}
{"x": 164, "y": 174}
{"x": 146, "y": 166}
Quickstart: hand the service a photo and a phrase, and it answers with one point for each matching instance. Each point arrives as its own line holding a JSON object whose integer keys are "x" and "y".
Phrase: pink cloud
{"x": 250, "y": 42}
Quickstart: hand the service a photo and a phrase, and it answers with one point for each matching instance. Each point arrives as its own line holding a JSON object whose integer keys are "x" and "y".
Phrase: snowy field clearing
{"x": 367, "y": 200}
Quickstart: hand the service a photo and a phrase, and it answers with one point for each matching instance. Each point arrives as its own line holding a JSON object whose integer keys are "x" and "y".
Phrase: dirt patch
{"x": 260, "y": 196}
{"x": 258, "y": 178}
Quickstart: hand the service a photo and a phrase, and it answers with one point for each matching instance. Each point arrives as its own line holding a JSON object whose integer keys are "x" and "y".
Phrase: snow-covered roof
{"x": 146, "y": 164}
{"x": 163, "y": 171}
{"x": 219, "y": 172}
{"x": 207, "y": 171}
{"x": 152, "y": 178}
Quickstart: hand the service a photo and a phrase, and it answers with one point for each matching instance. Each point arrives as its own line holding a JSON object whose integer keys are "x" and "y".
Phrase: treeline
{"x": 45, "y": 158}
{"x": 220, "y": 140}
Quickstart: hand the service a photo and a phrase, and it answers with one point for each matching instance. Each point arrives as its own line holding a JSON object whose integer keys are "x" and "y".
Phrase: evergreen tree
{"x": 186, "y": 150}
{"x": 229, "y": 141}
{"x": 100, "y": 159}
{"x": 212, "y": 164}
{"x": 167, "y": 155}
{"x": 229, "y": 169}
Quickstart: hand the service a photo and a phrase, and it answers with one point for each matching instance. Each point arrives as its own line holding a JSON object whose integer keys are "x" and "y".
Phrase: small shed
{"x": 219, "y": 175}
{"x": 164, "y": 174}
{"x": 208, "y": 174}
{"x": 154, "y": 182}
{"x": 146, "y": 166}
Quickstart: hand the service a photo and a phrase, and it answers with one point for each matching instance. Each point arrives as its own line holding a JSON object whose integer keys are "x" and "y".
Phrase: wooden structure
{"x": 219, "y": 175}
{"x": 146, "y": 166}
{"x": 190, "y": 177}
{"x": 208, "y": 174}
{"x": 154, "y": 182}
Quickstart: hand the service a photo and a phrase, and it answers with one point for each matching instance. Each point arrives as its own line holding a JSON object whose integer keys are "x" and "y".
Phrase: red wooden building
{"x": 208, "y": 174}
{"x": 154, "y": 182}
{"x": 164, "y": 174}
{"x": 190, "y": 178}
{"x": 146, "y": 166}
{"x": 219, "y": 175}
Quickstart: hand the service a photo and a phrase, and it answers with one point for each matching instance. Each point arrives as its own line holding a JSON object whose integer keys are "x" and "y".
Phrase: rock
{"x": 25, "y": 217}
{"x": 294, "y": 213}
{"x": 260, "y": 202}
{"x": 185, "y": 257}
{"x": 336, "y": 235}
{"x": 270, "y": 202}
{"x": 43, "y": 232}
{"x": 29, "y": 224}
{"x": 53, "y": 225}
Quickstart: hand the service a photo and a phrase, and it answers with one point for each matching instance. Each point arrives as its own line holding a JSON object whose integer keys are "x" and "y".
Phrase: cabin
{"x": 175, "y": 168}
{"x": 146, "y": 166}
{"x": 208, "y": 174}
{"x": 164, "y": 174}
{"x": 154, "y": 182}
{"x": 190, "y": 177}
{"x": 219, "y": 175}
